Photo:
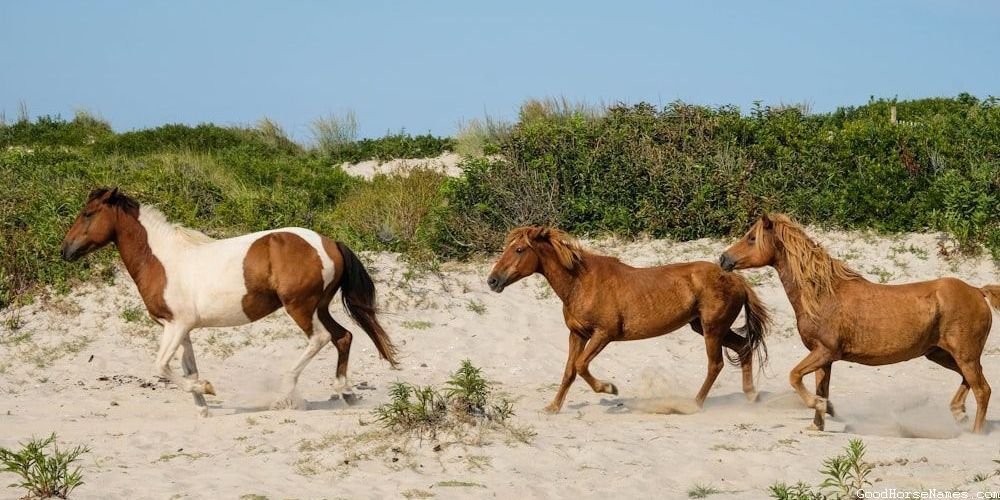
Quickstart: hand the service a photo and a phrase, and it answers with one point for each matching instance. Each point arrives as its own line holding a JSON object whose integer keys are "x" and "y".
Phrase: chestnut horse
{"x": 843, "y": 316}
{"x": 188, "y": 280}
{"x": 605, "y": 300}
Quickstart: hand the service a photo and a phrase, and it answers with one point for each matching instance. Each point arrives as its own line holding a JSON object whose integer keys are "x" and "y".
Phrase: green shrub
{"x": 690, "y": 171}
{"x": 845, "y": 476}
{"x": 43, "y": 468}
{"x": 389, "y": 212}
{"x": 390, "y": 147}
{"x": 467, "y": 399}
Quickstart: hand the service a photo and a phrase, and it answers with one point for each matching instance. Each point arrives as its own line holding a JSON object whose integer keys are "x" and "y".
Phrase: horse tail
{"x": 758, "y": 321}
{"x": 992, "y": 293}
{"x": 358, "y": 295}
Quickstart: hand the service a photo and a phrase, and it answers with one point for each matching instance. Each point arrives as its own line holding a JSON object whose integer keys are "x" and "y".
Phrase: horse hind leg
{"x": 736, "y": 343}
{"x": 972, "y": 369}
{"x": 944, "y": 358}
{"x": 713, "y": 348}
{"x": 823, "y": 375}
{"x": 307, "y": 319}
{"x": 341, "y": 339}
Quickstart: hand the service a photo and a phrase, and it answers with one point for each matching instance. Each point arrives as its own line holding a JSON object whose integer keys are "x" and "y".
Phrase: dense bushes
{"x": 688, "y": 171}
{"x": 681, "y": 171}
{"x": 392, "y": 146}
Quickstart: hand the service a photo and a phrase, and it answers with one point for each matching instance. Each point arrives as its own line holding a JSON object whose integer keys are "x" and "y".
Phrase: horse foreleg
{"x": 713, "y": 347}
{"x": 174, "y": 335}
{"x": 594, "y": 347}
{"x": 576, "y": 343}
{"x": 816, "y": 359}
{"x": 823, "y": 386}
{"x": 191, "y": 373}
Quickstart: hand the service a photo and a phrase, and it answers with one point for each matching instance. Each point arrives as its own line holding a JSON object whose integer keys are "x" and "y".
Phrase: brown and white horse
{"x": 188, "y": 280}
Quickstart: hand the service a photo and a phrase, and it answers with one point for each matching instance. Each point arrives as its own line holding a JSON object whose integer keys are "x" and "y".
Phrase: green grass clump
{"x": 845, "y": 476}
{"x": 466, "y": 399}
{"x": 43, "y": 468}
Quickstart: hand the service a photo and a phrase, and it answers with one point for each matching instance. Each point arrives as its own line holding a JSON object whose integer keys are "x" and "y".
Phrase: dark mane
{"x": 117, "y": 199}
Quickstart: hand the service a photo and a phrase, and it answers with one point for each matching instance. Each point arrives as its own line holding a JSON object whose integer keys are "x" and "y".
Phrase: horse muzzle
{"x": 70, "y": 252}
{"x": 496, "y": 283}
{"x": 726, "y": 262}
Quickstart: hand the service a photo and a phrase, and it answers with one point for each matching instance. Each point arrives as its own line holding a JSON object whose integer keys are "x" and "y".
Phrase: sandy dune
{"x": 78, "y": 367}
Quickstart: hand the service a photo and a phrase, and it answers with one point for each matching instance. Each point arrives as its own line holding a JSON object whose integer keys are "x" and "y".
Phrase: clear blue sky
{"x": 425, "y": 65}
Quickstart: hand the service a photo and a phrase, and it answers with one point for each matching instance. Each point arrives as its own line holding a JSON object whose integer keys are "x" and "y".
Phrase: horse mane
{"x": 567, "y": 248}
{"x": 813, "y": 269}
{"x": 154, "y": 220}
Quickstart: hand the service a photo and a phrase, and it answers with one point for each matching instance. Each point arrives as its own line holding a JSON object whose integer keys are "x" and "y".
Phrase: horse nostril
{"x": 492, "y": 281}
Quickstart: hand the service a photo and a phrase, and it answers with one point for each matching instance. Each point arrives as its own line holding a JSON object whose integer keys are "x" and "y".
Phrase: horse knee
{"x": 343, "y": 341}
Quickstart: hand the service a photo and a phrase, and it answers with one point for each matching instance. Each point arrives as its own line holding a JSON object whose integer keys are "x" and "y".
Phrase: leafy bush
{"x": 689, "y": 171}
{"x": 43, "y": 468}
{"x": 846, "y": 475}
{"x": 467, "y": 399}
{"x": 392, "y": 146}
{"x": 389, "y": 212}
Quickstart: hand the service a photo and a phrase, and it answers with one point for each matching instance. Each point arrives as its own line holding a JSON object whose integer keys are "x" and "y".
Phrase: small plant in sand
{"x": 846, "y": 475}
{"x": 132, "y": 314}
{"x": 467, "y": 400}
{"x": 702, "y": 491}
{"x": 44, "y": 469}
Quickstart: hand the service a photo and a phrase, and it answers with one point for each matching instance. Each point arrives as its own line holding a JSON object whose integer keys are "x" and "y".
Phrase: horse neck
{"x": 792, "y": 288}
{"x": 561, "y": 280}
{"x": 132, "y": 241}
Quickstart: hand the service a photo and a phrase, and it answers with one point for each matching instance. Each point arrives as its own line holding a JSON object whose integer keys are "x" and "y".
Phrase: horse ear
{"x": 539, "y": 233}
{"x": 768, "y": 224}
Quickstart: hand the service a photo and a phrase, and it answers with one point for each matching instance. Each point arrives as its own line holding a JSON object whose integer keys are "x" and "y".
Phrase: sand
{"x": 447, "y": 163}
{"x": 78, "y": 367}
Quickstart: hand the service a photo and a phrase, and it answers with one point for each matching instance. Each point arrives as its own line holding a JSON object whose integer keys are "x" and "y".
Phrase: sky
{"x": 425, "y": 66}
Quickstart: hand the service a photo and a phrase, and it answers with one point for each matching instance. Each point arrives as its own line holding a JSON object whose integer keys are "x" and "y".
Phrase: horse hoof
{"x": 204, "y": 413}
{"x": 207, "y": 388}
{"x": 551, "y": 409}
{"x": 814, "y": 427}
{"x": 752, "y": 396}
{"x": 350, "y": 398}
{"x": 829, "y": 408}
{"x": 612, "y": 389}
{"x": 961, "y": 417}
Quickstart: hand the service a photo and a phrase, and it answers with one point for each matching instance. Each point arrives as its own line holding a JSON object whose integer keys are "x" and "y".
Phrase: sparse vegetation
{"x": 702, "y": 491}
{"x": 467, "y": 400}
{"x": 44, "y": 469}
{"x": 133, "y": 314}
{"x": 845, "y": 475}
{"x": 417, "y": 325}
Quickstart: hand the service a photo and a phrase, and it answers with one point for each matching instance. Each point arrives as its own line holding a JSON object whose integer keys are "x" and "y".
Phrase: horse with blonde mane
{"x": 188, "y": 280}
{"x": 843, "y": 316}
{"x": 605, "y": 300}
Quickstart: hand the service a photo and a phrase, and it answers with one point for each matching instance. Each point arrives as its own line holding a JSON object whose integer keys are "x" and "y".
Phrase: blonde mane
{"x": 154, "y": 220}
{"x": 567, "y": 248}
{"x": 813, "y": 269}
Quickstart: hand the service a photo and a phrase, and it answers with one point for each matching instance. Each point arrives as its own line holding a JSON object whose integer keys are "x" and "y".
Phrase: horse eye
{"x": 519, "y": 250}
{"x": 753, "y": 239}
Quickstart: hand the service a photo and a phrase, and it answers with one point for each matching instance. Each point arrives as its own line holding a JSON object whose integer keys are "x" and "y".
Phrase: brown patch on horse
{"x": 280, "y": 268}
{"x": 811, "y": 265}
{"x": 109, "y": 216}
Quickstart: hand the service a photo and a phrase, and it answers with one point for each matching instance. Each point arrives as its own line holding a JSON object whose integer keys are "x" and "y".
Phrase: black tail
{"x": 758, "y": 322}
{"x": 358, "y": 293}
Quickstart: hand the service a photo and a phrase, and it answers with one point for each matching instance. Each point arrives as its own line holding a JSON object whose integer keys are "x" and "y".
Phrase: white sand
{"x": 148, "y": 443}
{"x": 447, "y": 164}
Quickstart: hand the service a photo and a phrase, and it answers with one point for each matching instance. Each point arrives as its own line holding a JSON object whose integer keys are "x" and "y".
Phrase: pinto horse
{"x": 843, "y": 316}
{"x": 188, "y": 280}
{"x": 605, "y": 300}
